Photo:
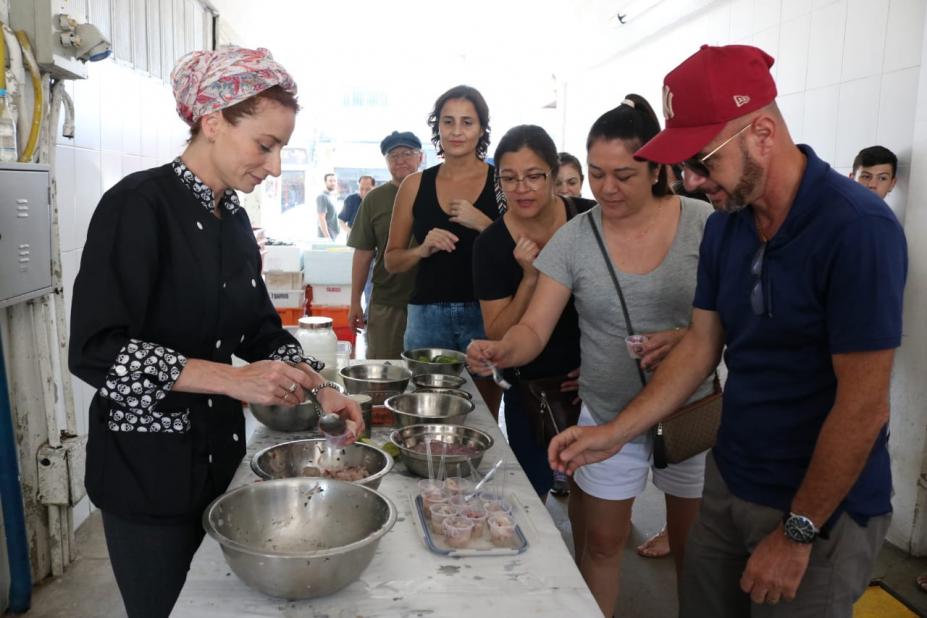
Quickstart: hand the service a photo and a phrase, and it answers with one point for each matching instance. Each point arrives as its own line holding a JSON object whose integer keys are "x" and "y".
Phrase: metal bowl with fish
{"x": 360, "y": 463}
{"x": 463, "y": 447}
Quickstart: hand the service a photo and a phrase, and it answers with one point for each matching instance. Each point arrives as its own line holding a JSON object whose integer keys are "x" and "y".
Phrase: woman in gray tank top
{"x": 652, "y": 239}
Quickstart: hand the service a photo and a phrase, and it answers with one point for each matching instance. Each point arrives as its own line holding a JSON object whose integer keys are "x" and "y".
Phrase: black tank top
{"x": 446, "y": 277}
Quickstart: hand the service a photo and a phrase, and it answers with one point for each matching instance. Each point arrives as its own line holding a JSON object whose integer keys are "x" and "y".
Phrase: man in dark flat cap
{"x": 386, "y": 314}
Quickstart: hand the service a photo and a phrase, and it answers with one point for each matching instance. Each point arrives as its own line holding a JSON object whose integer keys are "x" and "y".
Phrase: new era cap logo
{"x": 741, "y": 99}
{"x": 667, "y": 102}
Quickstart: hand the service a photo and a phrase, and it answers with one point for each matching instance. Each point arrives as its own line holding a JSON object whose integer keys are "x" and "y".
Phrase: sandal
{"x": 921, "y": 581}
{"x": 657, "y": 546}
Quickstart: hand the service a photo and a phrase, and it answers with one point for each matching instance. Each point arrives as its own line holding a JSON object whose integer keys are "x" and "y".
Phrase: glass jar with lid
{"x": 317, "y": 338}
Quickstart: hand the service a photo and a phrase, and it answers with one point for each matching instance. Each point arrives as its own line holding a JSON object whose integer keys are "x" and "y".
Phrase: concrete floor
{"x": 88, "y": 590}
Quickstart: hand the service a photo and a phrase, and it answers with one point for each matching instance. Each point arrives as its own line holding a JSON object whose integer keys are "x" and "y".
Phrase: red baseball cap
{"x": 710, "y": 88}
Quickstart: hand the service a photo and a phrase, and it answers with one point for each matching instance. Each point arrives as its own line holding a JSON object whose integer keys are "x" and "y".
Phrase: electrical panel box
{"x": 25, "y": 232}
{"x": 45, "y": 22}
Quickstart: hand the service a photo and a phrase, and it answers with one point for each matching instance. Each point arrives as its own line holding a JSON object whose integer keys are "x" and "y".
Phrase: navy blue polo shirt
{"x": 833, "y": 278}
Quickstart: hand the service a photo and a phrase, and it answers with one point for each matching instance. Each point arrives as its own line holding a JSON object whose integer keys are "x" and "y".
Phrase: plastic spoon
{"x": 479, "y": 486}
{"x": 498, "y": 379}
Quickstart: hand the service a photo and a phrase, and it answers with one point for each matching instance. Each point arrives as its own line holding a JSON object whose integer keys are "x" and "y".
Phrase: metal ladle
{"x": 334, "y": 428}
{"x": 332, "y": 424}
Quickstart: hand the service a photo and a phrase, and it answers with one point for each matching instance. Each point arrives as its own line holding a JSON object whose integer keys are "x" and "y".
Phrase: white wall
{"x": 125, "y": 122}
{"x": 909, "y": 393}
{"x": 848, "y": 74}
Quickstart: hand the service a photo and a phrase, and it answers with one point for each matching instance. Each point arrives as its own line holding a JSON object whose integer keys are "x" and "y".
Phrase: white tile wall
{"x": 767, "y": 14}
{"x": 87, "y": 110}
{"x": 794, "y": 42}
{"x": 792, "y": 107}
{"x": 897, "y": 105}
{"x": 743, "y": 13}
{"x": 89, "y": 189}
{"x": 864, "y": 39}
{"x": 130, "y": 100}
{"x": 65, "y": 181}
{"x": 110, "y": 169}
{"x": 898, "y": 198}
{"x": 768, "y": 41}
{"x": 794, "y": 8}
{"x": 857, "y": 118}
{"x": 819, "y": 126}
{"x": 825, "y": 54}
{"x": 905, "y": 34}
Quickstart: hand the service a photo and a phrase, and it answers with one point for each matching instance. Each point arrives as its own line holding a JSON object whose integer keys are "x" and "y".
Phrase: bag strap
{"x": 624, "y": 305}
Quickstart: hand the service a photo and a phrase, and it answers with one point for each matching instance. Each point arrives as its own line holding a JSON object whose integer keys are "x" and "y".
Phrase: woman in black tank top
{"x": 443, "y": 209}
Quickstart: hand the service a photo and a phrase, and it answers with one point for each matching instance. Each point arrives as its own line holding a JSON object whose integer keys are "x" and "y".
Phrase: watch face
{"x": 799, "y": 529}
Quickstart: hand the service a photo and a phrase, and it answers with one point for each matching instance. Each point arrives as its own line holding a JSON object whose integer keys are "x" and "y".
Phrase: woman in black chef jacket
{"x": 169, "y": 288}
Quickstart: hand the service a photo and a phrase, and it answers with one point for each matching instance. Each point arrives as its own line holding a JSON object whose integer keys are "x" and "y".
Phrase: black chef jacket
{"x": 163, "y": 280}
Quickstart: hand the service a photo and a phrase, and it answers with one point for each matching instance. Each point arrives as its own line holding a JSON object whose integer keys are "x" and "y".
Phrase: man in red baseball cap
{"x": 800, "y": 283}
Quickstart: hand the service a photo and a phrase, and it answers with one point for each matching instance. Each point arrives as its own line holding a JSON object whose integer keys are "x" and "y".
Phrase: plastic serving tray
{"x": 483, "y": 547}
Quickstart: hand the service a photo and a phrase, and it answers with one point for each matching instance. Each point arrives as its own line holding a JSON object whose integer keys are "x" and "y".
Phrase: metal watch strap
{"x": 799, "y": 528}
{"x": 315, "y": 389}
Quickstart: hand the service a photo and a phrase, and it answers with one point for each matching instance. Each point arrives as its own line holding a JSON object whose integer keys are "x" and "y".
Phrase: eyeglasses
{"x": 532, "y": 181}
{"x": 758, "y": 295}
{"x": 396, "y": 155}
{"x": 697, "y": 164}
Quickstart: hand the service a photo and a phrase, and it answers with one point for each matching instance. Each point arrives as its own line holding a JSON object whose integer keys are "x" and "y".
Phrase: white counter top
{"x": 405, "y": 578}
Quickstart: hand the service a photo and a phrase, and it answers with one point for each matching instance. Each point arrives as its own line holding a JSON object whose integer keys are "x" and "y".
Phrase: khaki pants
{"x": 729, "y": 528}
{"x": 386, "y": 326}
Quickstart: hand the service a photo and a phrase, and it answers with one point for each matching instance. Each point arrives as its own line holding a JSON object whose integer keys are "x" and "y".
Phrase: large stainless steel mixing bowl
{"x": 407, "y": 438}
{"x": 447, "y": 391}
{"x": 438, "y": 380}
{"x": 302, "y": 458}
{"x": 299, "y": 538}
{"x": 417, "y": 407}
{"x": 302, "y": 417}
{"x": 379, "y": 380}
{"x": 415, "y": 359}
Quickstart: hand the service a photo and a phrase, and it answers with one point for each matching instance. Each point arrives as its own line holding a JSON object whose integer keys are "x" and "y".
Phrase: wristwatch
{"x": 799, "y": 528}
{"x": 314, "y": 391}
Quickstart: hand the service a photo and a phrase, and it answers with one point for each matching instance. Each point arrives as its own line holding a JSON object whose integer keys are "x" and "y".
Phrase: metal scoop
{"x": 335, "y": 430}
{"x": 332, "y": 424}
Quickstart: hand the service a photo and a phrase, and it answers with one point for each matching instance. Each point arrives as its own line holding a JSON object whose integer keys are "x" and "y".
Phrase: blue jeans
{"x": 451, "y": 326}
{"x": 531, "y": 457}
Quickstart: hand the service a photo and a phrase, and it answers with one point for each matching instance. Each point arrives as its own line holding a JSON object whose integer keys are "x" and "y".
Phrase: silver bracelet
{"x": 315, "y": 389}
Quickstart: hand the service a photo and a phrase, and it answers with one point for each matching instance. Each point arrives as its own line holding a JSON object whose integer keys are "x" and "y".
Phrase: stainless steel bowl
{"x": 379, "y": 380}
{"x": 421, "y": 366}
{"x": 299, "y": 538}
{"x": 407, "y": 438}
{"x": 302, "y": 417}
{"x": 412, "y": 408}
{"x": 438, "y": 380}
{"x": 447, "y": 391}
{"x": 302, "y": 458}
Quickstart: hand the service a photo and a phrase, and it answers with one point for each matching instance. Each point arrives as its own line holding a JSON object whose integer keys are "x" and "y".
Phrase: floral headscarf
{"x": 206, "y": 81}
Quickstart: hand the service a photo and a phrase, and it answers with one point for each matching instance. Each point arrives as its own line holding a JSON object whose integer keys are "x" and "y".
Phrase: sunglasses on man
{"x": 697, "y": 165}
